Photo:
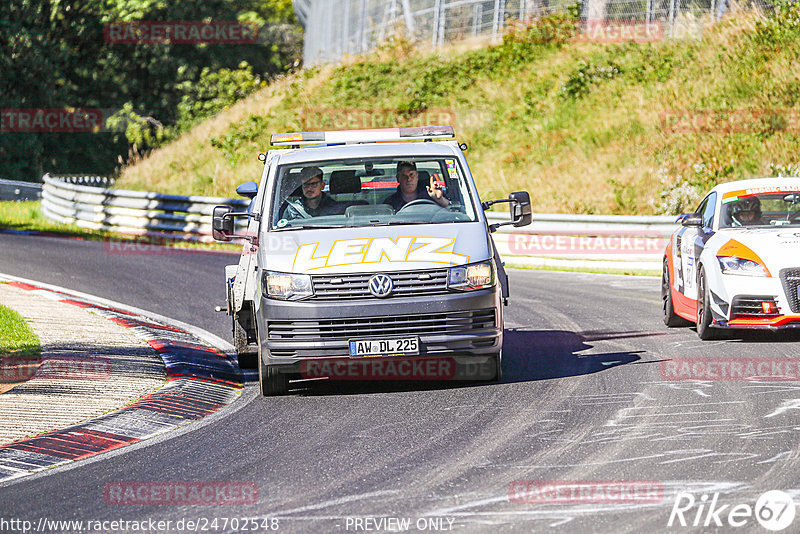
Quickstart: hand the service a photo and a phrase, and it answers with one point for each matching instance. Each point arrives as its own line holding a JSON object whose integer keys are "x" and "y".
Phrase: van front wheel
{"x": 498, "y": 359}
{"x": 272, "y": 379}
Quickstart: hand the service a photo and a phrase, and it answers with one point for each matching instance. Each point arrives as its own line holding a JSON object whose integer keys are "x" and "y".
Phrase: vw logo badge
{"x": 381, "y": 285}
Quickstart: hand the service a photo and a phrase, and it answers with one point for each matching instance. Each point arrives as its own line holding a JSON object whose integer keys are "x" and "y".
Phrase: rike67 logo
{"x": 774, "y": 510}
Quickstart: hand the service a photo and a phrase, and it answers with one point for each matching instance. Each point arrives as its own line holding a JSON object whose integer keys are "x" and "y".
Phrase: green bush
{"x": 238, "y": 135}
{"x": 588, "y": 74}
{"x": 215, "y": 91}
{"x": 783, "y": 24}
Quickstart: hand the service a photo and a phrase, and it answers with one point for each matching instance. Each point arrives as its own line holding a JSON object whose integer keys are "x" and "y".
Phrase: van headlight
{"x": 471, "y": 277}
{"x": 286, "y": 286}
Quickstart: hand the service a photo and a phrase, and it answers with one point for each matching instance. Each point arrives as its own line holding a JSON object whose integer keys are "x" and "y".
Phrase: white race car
{"x": 735, "y": 262}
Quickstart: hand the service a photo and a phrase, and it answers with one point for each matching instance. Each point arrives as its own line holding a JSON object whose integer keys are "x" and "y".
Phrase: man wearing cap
{"x": 314, "y": 201}
{"x": 407, "y": 179}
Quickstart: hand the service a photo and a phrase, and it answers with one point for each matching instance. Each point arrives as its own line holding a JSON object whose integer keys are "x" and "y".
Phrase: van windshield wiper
{"x": 398, "y": 223}
{"x": 309, "y": 226}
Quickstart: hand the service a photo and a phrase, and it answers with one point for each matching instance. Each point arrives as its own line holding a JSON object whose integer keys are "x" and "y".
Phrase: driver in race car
{"x": 407, "y": 178}
{"x": 314, "y": 201}
{"x": 746, "y": 212}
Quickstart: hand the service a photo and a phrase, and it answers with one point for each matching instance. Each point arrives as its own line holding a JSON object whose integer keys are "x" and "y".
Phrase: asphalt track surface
{"x": 583, "y": 399}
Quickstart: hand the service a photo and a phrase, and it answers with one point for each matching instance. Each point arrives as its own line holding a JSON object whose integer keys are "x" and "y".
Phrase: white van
{"x": 368, "y": 256}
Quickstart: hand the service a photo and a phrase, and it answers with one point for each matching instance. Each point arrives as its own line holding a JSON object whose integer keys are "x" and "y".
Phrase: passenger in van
{"x": 314, "y": 201}
{"x": 408, "y": 190}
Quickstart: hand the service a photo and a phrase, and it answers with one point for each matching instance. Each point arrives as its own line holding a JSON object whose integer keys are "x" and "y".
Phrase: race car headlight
{"x": 741, "y": 266}
{"x": 471, "y": 277}
{"x": 286, "y": 286}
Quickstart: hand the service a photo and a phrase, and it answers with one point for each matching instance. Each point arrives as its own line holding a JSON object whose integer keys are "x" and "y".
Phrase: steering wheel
{"x": 795, "y": 216}
{"x": 417, "y": 202}
{"x": 298, "y": 209}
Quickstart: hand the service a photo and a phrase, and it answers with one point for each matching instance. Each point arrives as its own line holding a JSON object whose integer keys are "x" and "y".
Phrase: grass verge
{"x": 20, "y": 350}
{"x": 16, "y": 336}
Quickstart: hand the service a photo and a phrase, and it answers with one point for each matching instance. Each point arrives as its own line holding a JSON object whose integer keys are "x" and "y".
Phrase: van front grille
{"x": 355, "y": 286}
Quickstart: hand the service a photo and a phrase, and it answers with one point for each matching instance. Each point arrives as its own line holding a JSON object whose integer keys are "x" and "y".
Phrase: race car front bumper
{"x": 756, "y": 303}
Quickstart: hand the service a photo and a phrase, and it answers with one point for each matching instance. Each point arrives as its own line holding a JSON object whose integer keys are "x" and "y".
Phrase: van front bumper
{"x": 453, "y": 324}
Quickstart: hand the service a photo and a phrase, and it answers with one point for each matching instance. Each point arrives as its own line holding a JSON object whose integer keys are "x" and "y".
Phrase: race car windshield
{"x": 773, "y": 209}
{"x": 371, "y": 192}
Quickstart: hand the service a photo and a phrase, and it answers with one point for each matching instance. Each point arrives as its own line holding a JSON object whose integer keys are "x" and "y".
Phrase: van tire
{"x": 498, "y": 365}
{"x": 247, "y": 360}
{"x": 272, "y": 379}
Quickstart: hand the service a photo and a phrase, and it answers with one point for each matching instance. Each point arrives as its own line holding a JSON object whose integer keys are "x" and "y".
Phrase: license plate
{"x": 373, "y": 348}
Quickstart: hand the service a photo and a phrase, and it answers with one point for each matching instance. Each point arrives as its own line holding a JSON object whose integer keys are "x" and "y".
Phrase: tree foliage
{"x": 54, "y": 55}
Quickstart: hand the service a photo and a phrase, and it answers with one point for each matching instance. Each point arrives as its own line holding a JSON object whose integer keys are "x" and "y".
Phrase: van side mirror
{"x": 222, "y": 223}
{"x": 248, "y": 190}
{"x": 692, "y": 220}
{"x": 520, "y": 207}
{"x": 222, "y": 227}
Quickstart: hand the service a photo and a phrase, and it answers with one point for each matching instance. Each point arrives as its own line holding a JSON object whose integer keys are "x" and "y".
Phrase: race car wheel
{"x": 704, "y": 329}
{"x": 670, "y": 317}
{"x": 272, "y": 378}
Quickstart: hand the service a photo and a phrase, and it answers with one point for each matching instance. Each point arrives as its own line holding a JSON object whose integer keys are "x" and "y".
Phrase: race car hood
{"x": 778, "y": 248}
{"x": 372, "y": 249}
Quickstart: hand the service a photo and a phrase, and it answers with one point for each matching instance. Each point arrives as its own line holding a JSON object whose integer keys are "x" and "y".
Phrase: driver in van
{"x": 407, "y": 178}
{"x": 314, "y": 201}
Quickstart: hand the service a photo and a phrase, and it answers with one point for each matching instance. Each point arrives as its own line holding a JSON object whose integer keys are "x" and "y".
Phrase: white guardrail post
{"x": 560, "y": 240}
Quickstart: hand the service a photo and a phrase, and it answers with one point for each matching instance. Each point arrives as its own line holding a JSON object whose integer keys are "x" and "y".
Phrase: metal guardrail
{"x": 606, "y": 241}
{"x": 18, "y": 190}
{"x": 131, "y": 212}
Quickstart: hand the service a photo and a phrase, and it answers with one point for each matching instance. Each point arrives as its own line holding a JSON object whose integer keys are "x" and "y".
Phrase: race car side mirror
{"x": 692, "y": 220}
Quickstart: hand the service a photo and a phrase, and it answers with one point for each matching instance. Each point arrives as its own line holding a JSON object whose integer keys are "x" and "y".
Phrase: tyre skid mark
{"x": 200, "y": 380}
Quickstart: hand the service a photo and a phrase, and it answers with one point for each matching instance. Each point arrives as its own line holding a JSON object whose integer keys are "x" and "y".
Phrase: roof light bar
{"x": 378, "y": 135}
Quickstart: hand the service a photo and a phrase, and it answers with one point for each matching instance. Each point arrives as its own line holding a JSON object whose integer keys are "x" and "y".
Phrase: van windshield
{"x": 371, "y": 192}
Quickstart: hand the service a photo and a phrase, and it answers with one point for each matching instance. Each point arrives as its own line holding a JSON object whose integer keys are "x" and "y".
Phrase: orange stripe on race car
{"x": 774, "y": 321}
{"x": 684, "y": 306}
{"x": 760, "y": 191}
{"x": 738, "y": 250}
